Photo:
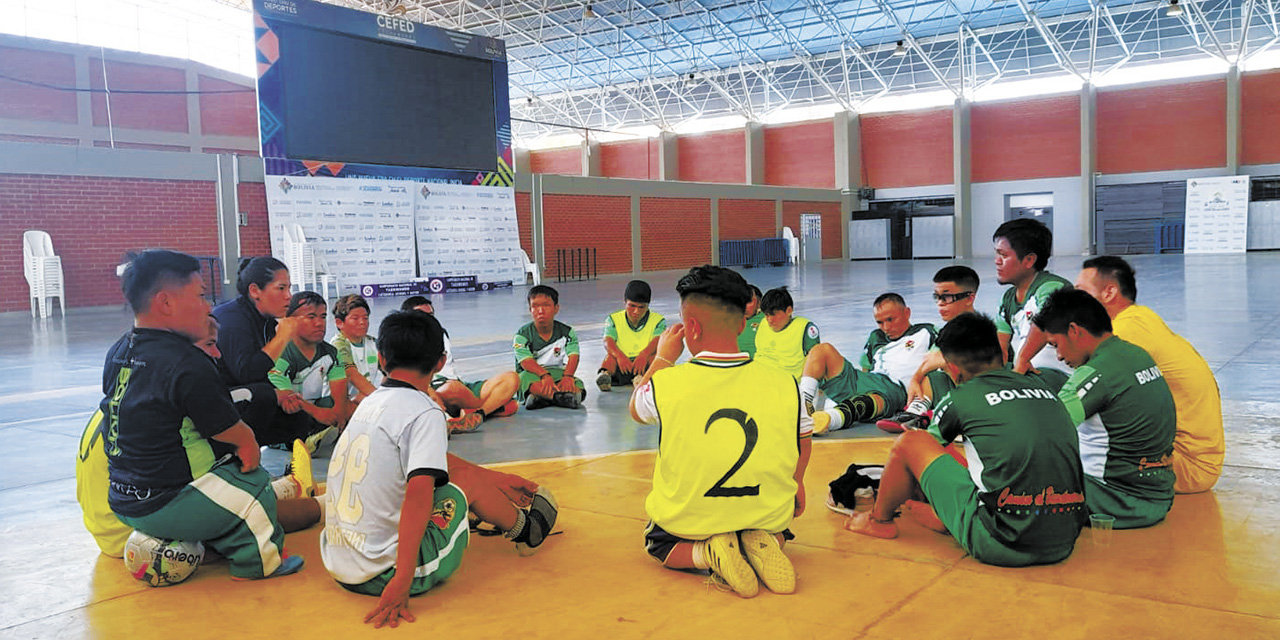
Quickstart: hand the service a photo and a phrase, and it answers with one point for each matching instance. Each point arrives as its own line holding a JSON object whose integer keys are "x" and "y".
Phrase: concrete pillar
{"x": 777, "y": 220}
{"x": 637, "y": 256}
{"x": 1088, "y": 164}
{"x": 194, "y": 129}
{"x": 668, "y": 156}
{"x": 755, "y": 152}
{"x": 535, "y": 222}
{"x": 1233, "y": 119}
{"x": 848, "y": 144}
{"x": 591, "y": 158}
{"x": 228, "y": 221}
{"x": 84, "y": 102}
{"x": 960, "y": 153}
{"x": 523, "y": 161}
{"x": 715, "y": 231}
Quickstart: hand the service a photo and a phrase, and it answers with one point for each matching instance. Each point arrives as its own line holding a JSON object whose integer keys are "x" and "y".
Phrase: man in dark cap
{"x": 630, "y": 338}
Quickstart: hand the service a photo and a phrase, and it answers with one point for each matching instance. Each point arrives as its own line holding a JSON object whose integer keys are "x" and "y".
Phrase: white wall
{"x": 1068, "y": 214}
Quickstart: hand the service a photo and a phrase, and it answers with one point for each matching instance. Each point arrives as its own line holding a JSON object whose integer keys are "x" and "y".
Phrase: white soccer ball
{"x": 160, "y": 562}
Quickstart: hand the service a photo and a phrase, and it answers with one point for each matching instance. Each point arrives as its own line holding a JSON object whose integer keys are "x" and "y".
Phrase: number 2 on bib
{"x": 718, "y": 490}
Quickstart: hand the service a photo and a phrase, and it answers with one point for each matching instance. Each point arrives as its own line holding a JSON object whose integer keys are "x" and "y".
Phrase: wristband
{"x": 662, "y": 359}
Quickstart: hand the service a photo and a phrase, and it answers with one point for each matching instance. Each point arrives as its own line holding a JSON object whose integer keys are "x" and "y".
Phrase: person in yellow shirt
{"x": 734, "y": 444}
{"x": 1199, "y": 444}
{"x": 630, "y": 338}
{"x": 784, "y": 339}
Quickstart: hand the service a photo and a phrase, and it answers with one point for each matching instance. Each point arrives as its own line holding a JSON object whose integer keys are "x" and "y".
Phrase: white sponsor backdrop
{"x": 374, "y": 231}
{"x": 1217, "y": 215}
{"x": 468, "y": 230}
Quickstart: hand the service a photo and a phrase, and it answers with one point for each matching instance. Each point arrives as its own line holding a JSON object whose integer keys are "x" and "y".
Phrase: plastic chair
{"x": 530, "y": 269}
{"x": 307, "y": 270}
{"x": 793, "y": 245}
{"x": 43, "y": 270}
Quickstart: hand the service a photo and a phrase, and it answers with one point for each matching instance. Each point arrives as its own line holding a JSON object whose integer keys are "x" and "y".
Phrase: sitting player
{"x": 399, "y": 524}
{"x": 357, "y": 350}
{"x": 630, "y": 338}
{"x": 782, "y": 341}
{"x": 1023, "y": 247}
{"x": 309, "y": 367}
{"x": 469, "y": 403}
{"x": 1199, "y": 444}
{"x": 955, "y": 288}
{"x": 547, "y": 355}
{"x": 1118, "y": 397}
{"x": 747, "y": 339}
{"x": 890, "y": 356}
{"x": 168, "y": 417}
{"x": 1021, "y": 450}
{"x": 695, "y": 521}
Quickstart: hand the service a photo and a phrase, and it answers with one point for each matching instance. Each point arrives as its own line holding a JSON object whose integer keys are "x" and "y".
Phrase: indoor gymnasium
{"x": 636, "y": 319}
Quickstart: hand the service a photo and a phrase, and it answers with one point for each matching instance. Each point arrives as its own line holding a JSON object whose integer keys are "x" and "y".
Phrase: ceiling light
{"x": 901, "y": 49}
{"x": 588, "y": 12}
{"x": 1174, "y": 9}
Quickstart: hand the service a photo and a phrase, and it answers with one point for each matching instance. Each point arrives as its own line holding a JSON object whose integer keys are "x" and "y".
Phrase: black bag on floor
{"x": 857, "y": 476}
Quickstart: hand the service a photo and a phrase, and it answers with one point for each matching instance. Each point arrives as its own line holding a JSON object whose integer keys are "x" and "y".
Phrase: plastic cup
{"x": 1101, "y": 524}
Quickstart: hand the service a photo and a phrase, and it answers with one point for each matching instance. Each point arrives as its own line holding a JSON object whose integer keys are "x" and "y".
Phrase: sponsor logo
{"x": 281, "y": 6}
{"x": 995, "y": 398}
{"x": 285, "y": 185}
{"x": 1148, "y": 375}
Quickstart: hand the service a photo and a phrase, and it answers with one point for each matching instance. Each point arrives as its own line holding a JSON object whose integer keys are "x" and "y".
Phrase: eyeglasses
{"x": 951, "y": 298}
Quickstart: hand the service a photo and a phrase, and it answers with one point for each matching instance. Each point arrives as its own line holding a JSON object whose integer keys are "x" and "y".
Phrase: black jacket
{"x": 242, "y": 334}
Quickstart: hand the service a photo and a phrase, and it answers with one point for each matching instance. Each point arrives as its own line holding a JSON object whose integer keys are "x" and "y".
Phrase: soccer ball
{"x": 160, "y": 562}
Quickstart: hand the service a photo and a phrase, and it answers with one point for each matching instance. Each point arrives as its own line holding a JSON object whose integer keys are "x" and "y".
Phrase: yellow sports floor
{"x": 1211, "y": 570}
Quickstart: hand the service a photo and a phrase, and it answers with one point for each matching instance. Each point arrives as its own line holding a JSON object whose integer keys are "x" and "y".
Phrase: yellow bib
{"x": 92, "y": 480}
{"x": 783, "y": 349}
{"x": 633, "y": 342}
{"x": 728, "y": 447}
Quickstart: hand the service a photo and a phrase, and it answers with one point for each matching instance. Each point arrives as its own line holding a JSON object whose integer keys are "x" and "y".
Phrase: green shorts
{"x": 439, "y": 553}
{"x": 528, "y": 379}
{"x": 852, "y": 382}
{"x": 1130, "y": 512}
{"x": 954, "y": 498}
{"x": 473, "y": 387}
{"x": 940, "y": 384}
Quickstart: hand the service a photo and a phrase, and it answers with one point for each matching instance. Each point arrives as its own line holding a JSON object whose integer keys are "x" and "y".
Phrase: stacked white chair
{"x": 793, "y": 245}
{"x": 530, "y": 269}
{"x": 306, "y": 268}
{"x": 43, "y": 270}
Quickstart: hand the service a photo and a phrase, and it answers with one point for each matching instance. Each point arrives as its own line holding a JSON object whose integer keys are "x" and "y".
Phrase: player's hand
{"x": 915, "y": 389}
{"x": 567, "y": 384}
{"x": 288, "y": 327}
{"x": 800, "y": 501}
{"x": 642, "y": 365}
{"x": 328, "y": 417}
{"x": 518, "y": 490}
{"x": 626, "y": 365}
{"x": 250, "y": 457}
{"x": 289, "y": 401}
{"x": 671, "y": 342}
{"x": 394, "y": 603}
{"x": 1023, "y": 367}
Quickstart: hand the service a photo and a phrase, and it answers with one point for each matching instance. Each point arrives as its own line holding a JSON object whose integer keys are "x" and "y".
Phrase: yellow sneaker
{"x": 821, "y": 423}
{"x": 766, "y": 558}
{"x": 726, "y": 560}
{"x": 300, "y": 469}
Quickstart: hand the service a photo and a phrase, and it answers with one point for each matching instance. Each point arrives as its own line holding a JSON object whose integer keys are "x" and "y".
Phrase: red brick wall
{"x": 524, "y": 218}
{"x": 675, "y": 233}
{"x": 93, "y": 222}
{"x": 228, "y": 114}
{"x": 1037, "y": 138}
{"x": 713, "y": 157}
{"x": 800, "y": 155}
{"x": 26, "y": 102}
{"x": 747, "y": 219}
{"x": 255, "y": 238}
{"x": 563, "y": 161}
{"x": 636, "y": 159}
{"x": 1182, "y": 126}
{"x": 832, "y": 246}
{"x": 603, "y": 222}
{"x": 152, "y": 112}
{"x": 1259, "y": 126}
{"x": 908, "y": 149}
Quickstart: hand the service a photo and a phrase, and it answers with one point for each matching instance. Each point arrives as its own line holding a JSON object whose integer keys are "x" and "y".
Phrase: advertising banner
{"x": 1217, "y": 215}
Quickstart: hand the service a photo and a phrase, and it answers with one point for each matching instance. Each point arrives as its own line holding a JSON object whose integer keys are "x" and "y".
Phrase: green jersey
{"x": 898, "y": 359}
{"x": 1022, "y": 454}
{"x": 1126, "y": 420}
{"x": 552, "y": 352}
{"x": 747, "y": 339}
{"x": 363, "y": 356}
{"x": 1015, "y": 317}
{"x": 309, "y": 377}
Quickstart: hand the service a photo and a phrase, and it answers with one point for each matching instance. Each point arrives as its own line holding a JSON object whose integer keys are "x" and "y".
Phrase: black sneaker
{"x": 541, "y": 518}
{"x": 534, "y": 402}
{"x": 566, "y": 400}
{"x": 604, "y": 381}
{"x": 903, "y": 421}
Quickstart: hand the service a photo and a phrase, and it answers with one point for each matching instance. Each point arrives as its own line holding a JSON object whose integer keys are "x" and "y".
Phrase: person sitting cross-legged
{"x": 1021, "y": 500}
{"x": 630, "y": 338}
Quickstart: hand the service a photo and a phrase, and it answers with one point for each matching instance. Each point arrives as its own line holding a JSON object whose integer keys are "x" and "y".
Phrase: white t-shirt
{"x": 395, "y": 431}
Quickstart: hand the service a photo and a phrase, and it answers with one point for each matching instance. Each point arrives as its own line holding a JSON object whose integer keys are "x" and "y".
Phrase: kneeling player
{"x": 398, "y": 525}
{"x": 1021, "y": 500}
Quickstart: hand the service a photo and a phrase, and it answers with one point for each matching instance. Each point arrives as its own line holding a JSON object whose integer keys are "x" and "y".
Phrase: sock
{"x": 286, "y": 488}
{"x": 808, "y": 389}
{"x": 700, "y": 555}
{"x": 519, "y": 532}
{"x": 920, "y": 406}
{"x": 839, "y": 416}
